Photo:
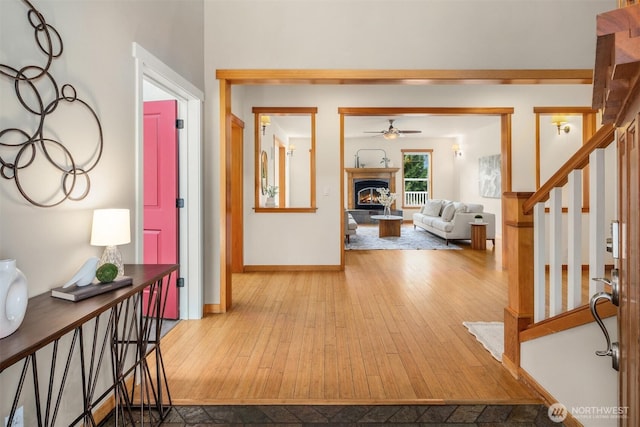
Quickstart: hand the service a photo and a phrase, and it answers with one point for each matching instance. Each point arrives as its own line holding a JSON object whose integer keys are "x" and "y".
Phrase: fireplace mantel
{"x": 369, "y": 173}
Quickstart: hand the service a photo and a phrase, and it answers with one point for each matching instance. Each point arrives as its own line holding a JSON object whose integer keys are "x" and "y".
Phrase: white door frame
{"x": 190, "y": 100}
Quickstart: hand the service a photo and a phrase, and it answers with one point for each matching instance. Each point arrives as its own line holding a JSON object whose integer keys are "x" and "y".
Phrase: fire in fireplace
{"x": 366, "y": 196}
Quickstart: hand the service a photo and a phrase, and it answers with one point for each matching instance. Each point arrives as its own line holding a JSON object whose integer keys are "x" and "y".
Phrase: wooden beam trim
{"x": 288, "y": 111}
{"x": 391, "y": 111}
{"x": 513, "y": 76}
{"x": 225, "y": 226}
{"x": 567, "y": 111}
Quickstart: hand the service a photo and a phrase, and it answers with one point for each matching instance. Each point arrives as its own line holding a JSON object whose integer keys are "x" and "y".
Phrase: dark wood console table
{"x": 105, "y": 336}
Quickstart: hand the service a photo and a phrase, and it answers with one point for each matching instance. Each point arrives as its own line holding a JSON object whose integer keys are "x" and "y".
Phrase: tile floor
{"x": 351, "y": 415}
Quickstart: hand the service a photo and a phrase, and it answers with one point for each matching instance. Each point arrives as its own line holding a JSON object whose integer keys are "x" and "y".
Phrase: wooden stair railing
{"x": 519, "y": 240}
{"x": 601, "y": 139}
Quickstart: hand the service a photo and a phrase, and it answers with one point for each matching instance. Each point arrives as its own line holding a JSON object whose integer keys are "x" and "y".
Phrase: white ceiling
{"x": 432, "y": 126}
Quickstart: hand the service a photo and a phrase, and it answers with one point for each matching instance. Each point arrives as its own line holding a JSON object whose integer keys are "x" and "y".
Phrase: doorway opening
{"x": 502, "y": 117}
{"x": 152, "y": 75}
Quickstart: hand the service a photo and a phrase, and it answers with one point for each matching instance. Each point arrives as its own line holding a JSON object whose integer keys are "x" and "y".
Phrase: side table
{"x": 479, "y": 235}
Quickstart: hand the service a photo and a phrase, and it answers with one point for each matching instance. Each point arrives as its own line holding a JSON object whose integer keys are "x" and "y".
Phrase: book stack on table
{"x": 78, "y": 293}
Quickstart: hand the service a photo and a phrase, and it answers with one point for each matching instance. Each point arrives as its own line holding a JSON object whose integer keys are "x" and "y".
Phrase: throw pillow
{"x": 475, "y": 208}
{"x": 460, "y": 207}
{"x": 448, "y": 212}
{"x": 432, "y": 208}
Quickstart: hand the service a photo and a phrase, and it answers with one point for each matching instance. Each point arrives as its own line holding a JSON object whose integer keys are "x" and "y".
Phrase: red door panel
{"x": 160, "y": 194}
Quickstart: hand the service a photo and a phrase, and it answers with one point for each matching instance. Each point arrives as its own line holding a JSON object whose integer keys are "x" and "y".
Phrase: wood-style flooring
{"x": 387, "y": 330}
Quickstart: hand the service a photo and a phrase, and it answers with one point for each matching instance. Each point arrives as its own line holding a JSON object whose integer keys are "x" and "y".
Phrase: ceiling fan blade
{"x": 374, "y": 131}
{"x": 410, "y": 131}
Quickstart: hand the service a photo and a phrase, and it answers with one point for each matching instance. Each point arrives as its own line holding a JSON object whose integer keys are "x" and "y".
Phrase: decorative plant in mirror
{"x": 39, "y": 94}
{"x": 386, "y": 199}
{"x": 272, "y": 190}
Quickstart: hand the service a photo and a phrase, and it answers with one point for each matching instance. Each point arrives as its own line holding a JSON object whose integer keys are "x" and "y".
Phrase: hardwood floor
{"x": 386, "y": 330}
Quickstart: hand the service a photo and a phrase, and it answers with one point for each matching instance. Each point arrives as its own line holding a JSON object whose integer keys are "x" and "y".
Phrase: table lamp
{"x": 111, "y": 227}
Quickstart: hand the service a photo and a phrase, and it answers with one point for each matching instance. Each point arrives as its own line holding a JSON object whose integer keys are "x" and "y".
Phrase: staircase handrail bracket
{"x": 616, "y": 74}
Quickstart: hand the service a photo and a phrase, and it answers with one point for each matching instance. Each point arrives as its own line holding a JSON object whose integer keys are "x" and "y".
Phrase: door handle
{"x": 615, "y": 286}
{"x": 613, "y": 348}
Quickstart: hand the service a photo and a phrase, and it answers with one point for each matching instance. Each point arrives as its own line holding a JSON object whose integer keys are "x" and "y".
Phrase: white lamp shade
{"x": 111, "y": 227}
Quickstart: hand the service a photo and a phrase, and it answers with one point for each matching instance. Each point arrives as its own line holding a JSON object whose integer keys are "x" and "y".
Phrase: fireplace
{"x": 366, "y": 194}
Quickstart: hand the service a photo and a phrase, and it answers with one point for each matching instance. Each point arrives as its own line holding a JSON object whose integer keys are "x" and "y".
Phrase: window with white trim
{"x": 416, "y": 176}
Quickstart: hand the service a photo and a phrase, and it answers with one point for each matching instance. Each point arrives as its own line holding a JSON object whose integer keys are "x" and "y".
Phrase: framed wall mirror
{"x": 285, "y": 168}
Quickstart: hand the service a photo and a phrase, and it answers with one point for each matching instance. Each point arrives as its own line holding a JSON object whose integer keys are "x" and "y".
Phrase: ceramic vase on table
{"x": 14, "y": 297}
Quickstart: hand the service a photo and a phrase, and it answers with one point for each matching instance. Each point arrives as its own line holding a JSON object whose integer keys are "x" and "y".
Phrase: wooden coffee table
{"x": 388, "y": 225}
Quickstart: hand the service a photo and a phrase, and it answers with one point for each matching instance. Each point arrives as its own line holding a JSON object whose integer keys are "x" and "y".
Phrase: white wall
{"x": 566, "y": 366}
{"x": 483, "y": 141}
{"x": 50, "y": 244}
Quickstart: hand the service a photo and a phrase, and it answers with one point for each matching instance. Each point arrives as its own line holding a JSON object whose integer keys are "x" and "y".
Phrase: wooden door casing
{"x": 629, "y": 265}
{"x": 236, "y": 248}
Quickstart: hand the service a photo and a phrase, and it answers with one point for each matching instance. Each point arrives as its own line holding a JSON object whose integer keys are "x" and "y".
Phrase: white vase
{"x": 271, "y": 202}
{"x": 14, "y": 297}
{"x": 387, "y": 211}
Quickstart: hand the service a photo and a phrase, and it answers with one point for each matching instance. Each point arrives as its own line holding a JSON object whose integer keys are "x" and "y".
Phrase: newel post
{"x": 518, "y": 239}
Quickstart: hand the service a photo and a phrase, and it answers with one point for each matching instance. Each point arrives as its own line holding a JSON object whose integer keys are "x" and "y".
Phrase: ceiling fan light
{"x": 390, "y": 135}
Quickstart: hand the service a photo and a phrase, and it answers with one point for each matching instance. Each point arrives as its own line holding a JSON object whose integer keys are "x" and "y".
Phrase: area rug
{"x": 490, "y": 335}
{"x": 366, "y": 238}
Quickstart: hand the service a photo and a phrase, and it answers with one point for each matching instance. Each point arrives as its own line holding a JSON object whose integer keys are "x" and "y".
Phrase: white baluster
{"x": 574, "y": 235}
{"x": 555, "y": 252}
{"x": 539, "y": 261}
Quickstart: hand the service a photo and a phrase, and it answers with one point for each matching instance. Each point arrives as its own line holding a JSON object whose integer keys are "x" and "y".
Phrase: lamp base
{"x": 112, "y": 255}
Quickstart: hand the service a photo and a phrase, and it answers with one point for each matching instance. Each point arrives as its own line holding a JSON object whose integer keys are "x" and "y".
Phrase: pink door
{"x": 161, "y": 194}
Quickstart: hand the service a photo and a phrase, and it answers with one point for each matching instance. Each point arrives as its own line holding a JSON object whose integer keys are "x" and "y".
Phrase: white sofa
{"x": 350, "y": 225}
{"x": 451, "y": 220}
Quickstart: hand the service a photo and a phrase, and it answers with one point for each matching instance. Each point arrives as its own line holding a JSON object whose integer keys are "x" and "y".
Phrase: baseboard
{"x": 211, "y": 309}
{"x": 548, "y": 399}
{"x": 269, "y": 268}
{"x": 510, "y": 366}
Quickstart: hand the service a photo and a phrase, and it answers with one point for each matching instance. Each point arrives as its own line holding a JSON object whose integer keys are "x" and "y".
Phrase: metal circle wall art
{"x": 27, "y": 156}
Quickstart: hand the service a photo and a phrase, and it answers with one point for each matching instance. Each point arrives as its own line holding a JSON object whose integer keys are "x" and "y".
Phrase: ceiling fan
{"x": 393, "y": 132}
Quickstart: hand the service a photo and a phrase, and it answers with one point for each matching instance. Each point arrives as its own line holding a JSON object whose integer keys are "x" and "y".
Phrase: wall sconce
{"x": 265, "y": 121}
{"x": 290, "y": 150}
{"x": 111, "y": 227}
{"x": 457, "y": 151}
{"x": 561, "y": 123}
